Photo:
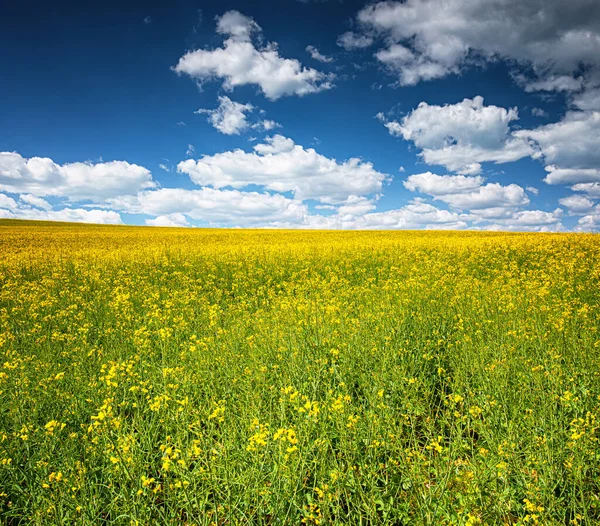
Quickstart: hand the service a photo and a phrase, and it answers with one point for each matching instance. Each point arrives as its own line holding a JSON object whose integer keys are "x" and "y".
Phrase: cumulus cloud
{"x": 491, "y": 195}
{"x": 572, "y": 143}
{"x": 357, "y": 215}
{"x": 589, "y": 99}
{"x": 589, "y": 222}
{"x": 176, "y": 220}
{"x": 571, "y": 175}
{"x": 467, "y": 193}
{"x": 41, "y": 176}
{"x": 530, "y": 220}
{"x": 214, "y": 206}
{"x": 550, "y": 37}
{"x": 356, "y": 206}
{"x": 266, "y": 125}
{"x": 552, "y": 83}
{"x": 410, "y": 67}
{"x": 350, "y": 41}
{"x": 230, "y": 117}
{"x": 591, "y": 189}
{"x": 415, "y": 215}
{"x": 317, "y": 55}
{"x": 237, "y": 26}
{"x": 280, "y": 165}
{"x": 577, "y": 204}
{"x": 539, "y": 112}
{"x": 463, "y": 135}
{"x": 239, "y": 62}
{"x": 36, "y": 202}
{"x": 436, "y": 185}
{"x": 8, "y": 203}
{"x": 11, "y": 209}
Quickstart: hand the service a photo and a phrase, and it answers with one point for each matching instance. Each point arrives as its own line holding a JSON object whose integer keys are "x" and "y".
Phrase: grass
{"x": 169, "y": 376}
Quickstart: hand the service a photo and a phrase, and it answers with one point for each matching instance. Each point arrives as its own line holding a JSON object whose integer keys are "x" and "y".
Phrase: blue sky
{"x": 481, "y": 114}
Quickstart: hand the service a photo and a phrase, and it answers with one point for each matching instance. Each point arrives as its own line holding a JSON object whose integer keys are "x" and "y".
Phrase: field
{"x": 228, "y": 377}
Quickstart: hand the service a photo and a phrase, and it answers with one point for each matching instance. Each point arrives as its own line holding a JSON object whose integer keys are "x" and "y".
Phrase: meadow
{"x": 231, "y": 377}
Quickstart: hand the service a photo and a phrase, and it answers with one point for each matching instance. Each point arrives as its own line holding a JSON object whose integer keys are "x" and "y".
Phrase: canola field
{"x": 233, "y": 377}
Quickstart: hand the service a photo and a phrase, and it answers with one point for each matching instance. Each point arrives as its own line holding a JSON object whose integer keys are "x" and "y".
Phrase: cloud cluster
{"x": 428, "y": 39}
{"x": 415, "y": 215}
{"x": 239, "y": 62}
{"x": 27, "y": 206}
{"x": 230, "y": 117}
{"x": 280, "y": 165}
{"x": 463, "y": 135}
{"x": 317, "y": 55}
{"x": 351, "y": 41}
{"x": 41, "y": 176}
{"x": 570, "y": 148}
{"x": 213, "y": 206}
{"x": 468, "y": 193}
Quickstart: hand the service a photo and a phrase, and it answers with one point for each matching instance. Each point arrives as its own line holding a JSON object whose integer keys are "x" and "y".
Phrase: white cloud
{"x": 589, "y": 99}
{"x": 467, "y": 122}
{"x": 410, "y": 67}
{"x": 533, "y": 218}
{"x": 176, "y": 220}
{"x": 280, "y": 165}
{"x": 191, "y": 150}
{"x": 8, "y": 203}
{"x": 552, "y": 38}
{"x": 217, "y": 207}
{"x": 530, "y": 220}
{"x": 461, "y": 136}
{"x": 532, "y": 190}
{"x": 491, "y": 195}
{"x": 467, "y": 193}
{"x": 41, "y": 176}
{"x": 591, "y": 189}
{"x": 577, "y": 204}
{"x": 350, "y": 41}
{"x": 571, "y": 175}
{"x": 266, "y": 125}
{"x": 436, "y": 185}
{"x": 236, "y": 25}
{"x": 240, "y": 63}
{"x": 539, "y": 112}
{"x": 10, "y": 209}
{"x": 573, "y": 142}
{"x": 34, "y": 201}
{"x": 356, "y": 206}
{"x": 75, "y": 215}
{"x": 589, "y": 223}
{"x": 230, "y": 117}
{"x": 317, "y": 55}
{"x": 415, "y": 215}
{"x": 554, "y": 83}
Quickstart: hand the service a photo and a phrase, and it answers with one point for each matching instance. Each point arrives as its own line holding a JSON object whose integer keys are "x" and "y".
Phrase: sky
{"x": 315, "y": 114}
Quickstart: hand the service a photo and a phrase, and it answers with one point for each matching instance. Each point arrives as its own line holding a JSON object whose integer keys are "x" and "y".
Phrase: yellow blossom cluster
{"x": 175, "y": 376}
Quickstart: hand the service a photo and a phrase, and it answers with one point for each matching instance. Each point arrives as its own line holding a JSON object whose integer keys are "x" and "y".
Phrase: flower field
{"x": 229, "y": 377}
